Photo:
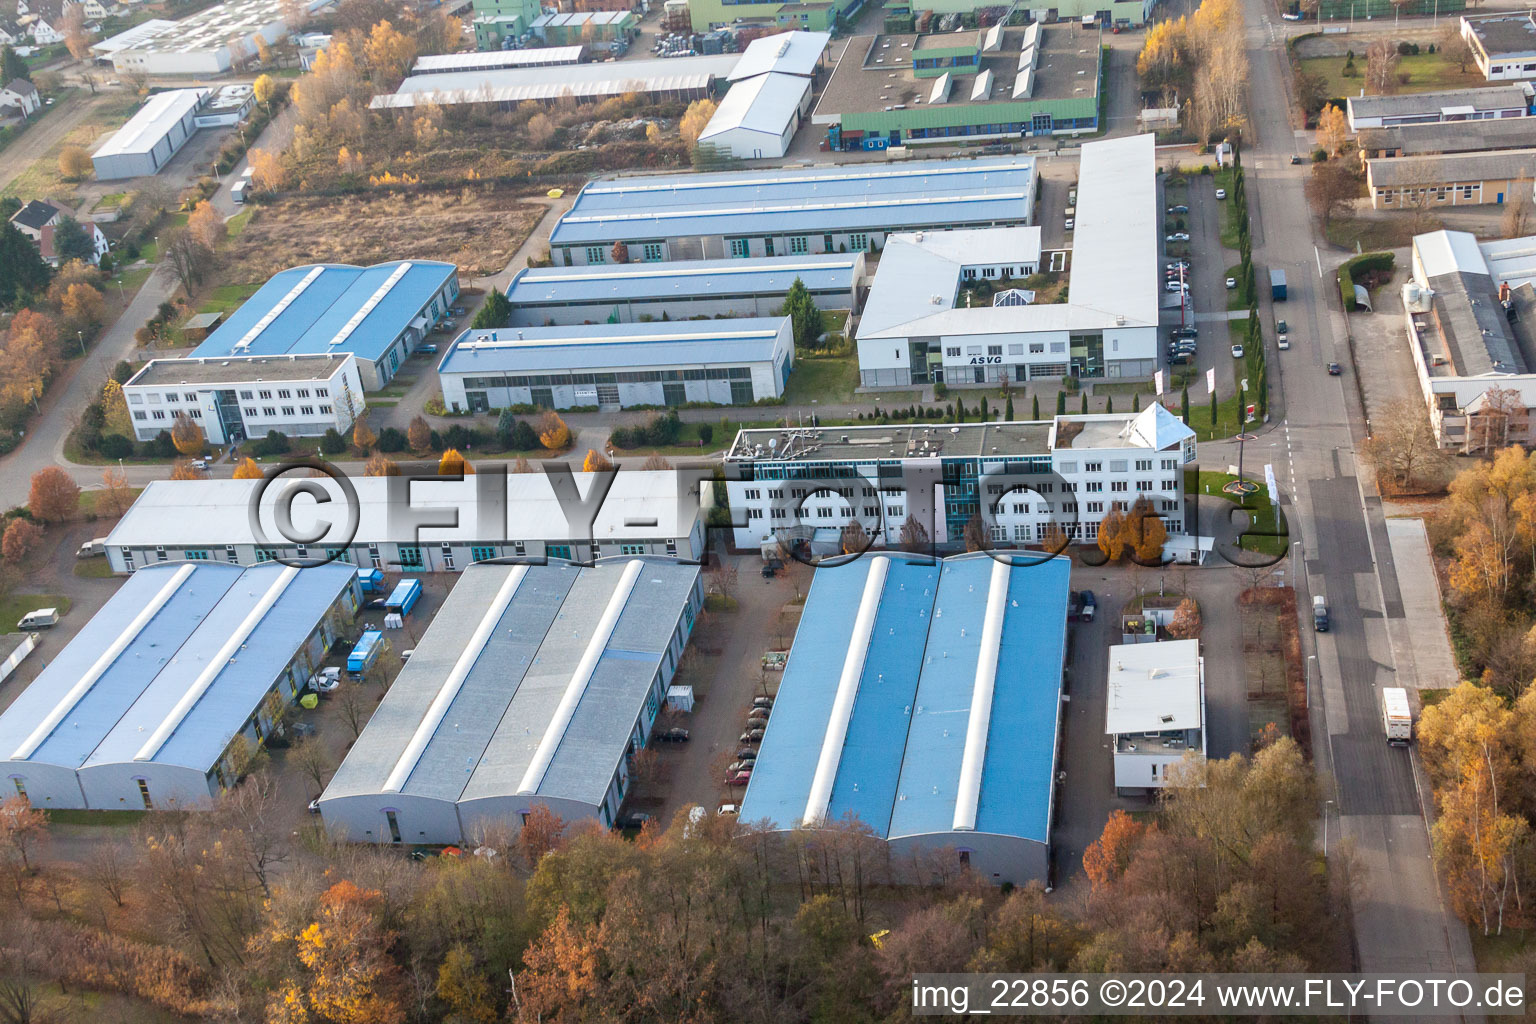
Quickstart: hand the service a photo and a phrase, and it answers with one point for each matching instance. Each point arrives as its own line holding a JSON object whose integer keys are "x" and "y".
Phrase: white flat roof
{"x": 1115, "y": 242}
{"x": 917, "y": 267}
{"x": 792, "y": 53}
{"x": 511, "y": 85}
{"x": 1154, "y": 688}
{"x": 153, "y": 120}
{"x": 447, "y": 62}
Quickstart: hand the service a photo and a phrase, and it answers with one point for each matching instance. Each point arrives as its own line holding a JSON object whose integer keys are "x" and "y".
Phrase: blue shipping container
{"x": 365, "y": 652}
{"x": 370, "y": 580}
{"x": 404, "y": 597}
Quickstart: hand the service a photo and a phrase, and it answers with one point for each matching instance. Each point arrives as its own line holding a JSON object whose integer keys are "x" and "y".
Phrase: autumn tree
{"x": 83, "y": 305}
{"x": 1332, "y": 129}
{"x": 462, "y": 985}
{"x": 1107, "y": 856}
{"x": 189, "y": 259}
{"x": 596, "y": 463}
{"x": 263, "y": 89}
{"x": 20, "y": 539}
{"x": 1454, "y": 48}
{"x": 205, "y": 225}
{"x": 267, "y": 170}
{"x": 23, "y": 830}
{"x": 347, "y": 975}
{"x": 389, "y": 53}
{"x": 542, "y": 832}
{"x": 1186, "y": 620}
{"x": 53, "y": 497}
{"x": 694, "y": 120}
{"x": 363, "y": 437}
{"x": 655, "y": 462}
{"x": 379, "y": 464}
{"x": 1381, "y": 62}
{"x": 419, "y": 435}
{"x": 77, "y": 38}
{"x": 540, "y": 130}
{"x": 1113, "y": 537}
{"x": 187, "y": 436}
{"x": 1331, "y": 189}
{"x": 248, "y": 469}
{"x": 1403, "y": 449}
{"x": 116, "y": 497}
{"x": 1166, "y": 52}
{"x": 1519, "y": 215}
{"x": 75, "y": 163}
{"x": 854, "y": 539}
{"x": 553, "y": 433}
{"x": 454, "y": 464}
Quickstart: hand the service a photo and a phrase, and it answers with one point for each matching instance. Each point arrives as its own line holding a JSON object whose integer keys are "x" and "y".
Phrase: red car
{"x": 740, "y": 778}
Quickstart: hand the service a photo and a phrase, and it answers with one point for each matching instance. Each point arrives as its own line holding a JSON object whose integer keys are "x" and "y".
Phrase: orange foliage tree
{"x": 54, "y": 497}
{"x": 553, "y": 433}
{"x": 1108, "y": 855}
{"x": 248, "y": 470}
{"x": 19, "y": 540}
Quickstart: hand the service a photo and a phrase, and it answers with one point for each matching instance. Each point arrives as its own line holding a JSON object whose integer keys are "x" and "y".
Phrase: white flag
{"x": 1210, "y": 381}
{"x": 1158, "y": 377}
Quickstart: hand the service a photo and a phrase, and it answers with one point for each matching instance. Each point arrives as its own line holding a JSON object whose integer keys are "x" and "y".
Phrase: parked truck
{"x": 404, "y": 597}
{"x": 92, "y": 548}
{"x": 1277, "y": 285}
{"x": 1396, "y": 715}
{"x": 370, "y": 580}
{"x": 365, "y": 652}
{"x": 1320, "y": 613}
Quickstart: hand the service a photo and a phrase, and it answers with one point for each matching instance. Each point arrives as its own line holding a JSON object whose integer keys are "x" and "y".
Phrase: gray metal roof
{"x": 159, "y": 114}
{"x": 1494, "y": 98}
{"x": 603, "y": 346}
{"x": 512, "y": 683}
{"x": 831, "y": 273}
{"x": 1451, "y": 136}
{"x": 1450, "y": 168}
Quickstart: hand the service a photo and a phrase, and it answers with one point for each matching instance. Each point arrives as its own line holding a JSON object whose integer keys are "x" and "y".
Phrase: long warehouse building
{"x": 642, "y": 512}
{"x": 142, "y": 709}
{"x": 380, "y": 314}
{"x": 796, "y": 211}
{"x": 924, "y": 700}
{"x": 614, "y": 366}
{"x": 534, "y": 685}
{"x": 629, "y": 293}
{"x": 152, "y": 135}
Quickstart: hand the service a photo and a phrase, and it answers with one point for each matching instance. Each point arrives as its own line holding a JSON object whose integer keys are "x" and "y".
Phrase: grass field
{"x": 830, "y": 379}
{"x": 97, "y": 568}
{"x": 14, "y": 607}
{"x": 1368, "y": 233}
{"x": 1267, "y": 534}
{"x": 42, "y": 178}
{"x": 1237, "y": 298}
{"x": 1427, "y": 72}
{"x": 1223, "y": 179}
{"x": 89, "y": 500}
{"x": 66, "y": 816}
{"x": 226, "y": 298}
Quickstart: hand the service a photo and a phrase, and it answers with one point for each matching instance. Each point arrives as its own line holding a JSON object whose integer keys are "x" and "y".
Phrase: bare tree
{"x": 313, "y": 761}
{"x": 1331, "y": 189}
{"x": 189, "y": 259}
{"x": 105, "y": 869}
{"x": 1403, "y": 449}
{"x": 1518, "y": 213}
{"x": 1500, "y": 419}
{"x": 353, "y": 708}
{"x": 1381, "y": 61}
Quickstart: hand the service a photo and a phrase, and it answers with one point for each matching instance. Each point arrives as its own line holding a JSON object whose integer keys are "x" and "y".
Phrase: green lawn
{"x": 14, "y": 607}
{"x": 226, "y": 298}
{"x": 1267, "y": 534}
{"x": 1427, "y": 72}
{"x": 97, "y": 568}
{"x": 1223, "y": 179}
{"x": 66, "y": 816}
{"x": 829, "y": 379}
{"x": 1369, "y": 234}
{"x": 237, "y": 223}
{"x": 88, "y": 500}
{"x": 1237, "y": 298}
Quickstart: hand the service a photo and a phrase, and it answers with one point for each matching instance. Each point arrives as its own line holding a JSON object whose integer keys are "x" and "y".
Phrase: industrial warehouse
{"x": 152, "y": 135}
{"x": 926, "y": 321}
{"x": 208, "y": 42}
{"x": 140, "y": 709}
{"x": 805, "y": 485}
{"x": 923, "y": 699}
{"x": 769, "y": 97}
{"x": 978, "y": 85}
{"x": 796, "y": 212}
{"x": 236, "y": 399}
{"x": 379, "y": 314}
{"x": 534, "y": 685}
{"x": 628, "y": 293}
{"x": 613, "y": 366}
{"x": 437, "y": 526}
{"x": 682, "y": 78}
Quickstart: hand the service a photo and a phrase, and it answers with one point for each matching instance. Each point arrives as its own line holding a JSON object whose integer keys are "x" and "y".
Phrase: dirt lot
{"x": 477, "y": 228}
{"x": 107, "y": 112}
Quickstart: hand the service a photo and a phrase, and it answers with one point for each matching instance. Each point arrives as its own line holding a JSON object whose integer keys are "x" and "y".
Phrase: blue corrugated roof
{"x": 899, "y": 768}
{"x": 683, "y": 279}
{"x": 939, "y": 193}
{"x": 531, "y": 349}
{"x": 325, "y": 305}
{"x": 137, "y": 691}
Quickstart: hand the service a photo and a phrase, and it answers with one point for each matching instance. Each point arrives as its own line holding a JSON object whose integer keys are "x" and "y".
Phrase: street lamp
{"x": 1326, "y": 805}
{"x": 81, "y": 334}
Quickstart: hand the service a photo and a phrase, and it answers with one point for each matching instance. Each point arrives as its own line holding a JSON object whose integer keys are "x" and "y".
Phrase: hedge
{"x": 1367, "y": 262}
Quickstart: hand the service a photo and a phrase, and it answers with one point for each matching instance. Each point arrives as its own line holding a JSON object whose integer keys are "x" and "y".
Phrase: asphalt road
{"x": 1402, "y": 921}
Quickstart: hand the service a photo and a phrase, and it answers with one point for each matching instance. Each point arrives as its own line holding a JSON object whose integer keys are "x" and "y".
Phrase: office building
{"x": 1154, "y": 711}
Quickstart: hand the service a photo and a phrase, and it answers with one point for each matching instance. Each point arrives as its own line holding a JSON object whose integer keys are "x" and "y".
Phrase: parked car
{"x": 673, "y": 736}
{"x": 751, "y": 736}
{"x": 1175, "y": 286}
{"x": 325, "y": 681}
{"x": 1237, "y": 351}
{"x": 199, "y": 464}
{"x": 1293, "y": 16}
{"x": 634, "y": 820}
{"x": 1294, "y": 158}
{"x": 1074, "y": 605}
{"x": 740, "y": 766}
{"x": 1334, "y": 369}
{"x": 1181, "y": 208}
{"x": 728, "y": 809}
{"x": 1281, "y": 327}
{"x": 405, "y": 656}
{"x": 1178, "y": 236}
{"x": 314, "y": 806}
{"x": 738, "y": 778}
{"x": 1178, "y": 265}
{"x": 746, "y": 754}
{"x": 762, "y": 702}
{"x": 1186, "y": 332}
{"x": 1231, "y": 283}
{"x": 429, "y": 348}
{"x": 1283, "y": 342}
{"x": 1069, "y": 224}
{"x": 1090, "y": 606}
{"x": 1221, "y": 193}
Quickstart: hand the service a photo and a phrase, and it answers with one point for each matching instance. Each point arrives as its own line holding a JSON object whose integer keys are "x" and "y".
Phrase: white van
{"x": 40, "y": 619}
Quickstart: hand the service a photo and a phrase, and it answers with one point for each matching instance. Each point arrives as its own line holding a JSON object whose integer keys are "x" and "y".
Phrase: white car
{"x": 1221, "y": 193}
{"x": 1284, "y": 342}
{"x": 1069, "y": 223}
{"x": 1178, "y": 236}
{"x": 1231, "y": 283}
{"x": 729, "y": 809}
{"x": 1237, "y": 351}
{"x": 1176, "y": 286}
{"x": 326, "y": 680}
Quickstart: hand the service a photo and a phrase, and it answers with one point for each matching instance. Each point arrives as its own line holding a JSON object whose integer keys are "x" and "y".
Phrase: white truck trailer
{"x": 1397, "y": 716}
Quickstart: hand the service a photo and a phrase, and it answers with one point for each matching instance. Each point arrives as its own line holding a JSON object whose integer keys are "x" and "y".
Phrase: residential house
{"x": 21, "y": 95}
{"x": 38, "y": 219}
